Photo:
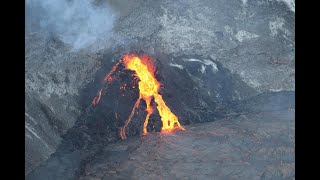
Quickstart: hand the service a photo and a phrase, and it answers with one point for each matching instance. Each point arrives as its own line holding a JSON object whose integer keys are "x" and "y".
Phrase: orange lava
{"x": 108, "y": 77}
{"x": 123, "y": 129}
{"x": 97, "y": 99}
{"x": 148, "y": 89}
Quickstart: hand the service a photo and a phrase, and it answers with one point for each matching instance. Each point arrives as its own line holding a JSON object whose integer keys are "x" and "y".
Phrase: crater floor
{"x": 247, "y": 146}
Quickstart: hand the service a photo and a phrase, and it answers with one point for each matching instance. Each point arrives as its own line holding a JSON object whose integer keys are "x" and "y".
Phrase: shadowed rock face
{"x": 214, "y": 58}
{"x": 54, "y": 77}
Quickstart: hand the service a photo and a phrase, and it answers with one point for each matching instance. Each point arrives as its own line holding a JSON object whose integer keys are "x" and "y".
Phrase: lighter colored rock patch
{"x": 205, "y": 62}
{"x": 193, "y": 28}
{"x": 276, "y": 90}
{"x": 244, "y": 35}
{"x": 33, "y": 132}
{"x": 244, "y": 2}
{"x": 276, "y": 26}
{"x": 176, "y": 65}
{"x": 203, "y": 69}
{"x": 212, "y": 64}
{"x": 252, "y": 82}
{"x": 31, "y": 118}
{"x": 241, "y": 35}
{"x": 291, "y": 4}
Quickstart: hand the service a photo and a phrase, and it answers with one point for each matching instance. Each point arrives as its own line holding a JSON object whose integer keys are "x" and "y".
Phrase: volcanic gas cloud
{"x": 144, "y": 69}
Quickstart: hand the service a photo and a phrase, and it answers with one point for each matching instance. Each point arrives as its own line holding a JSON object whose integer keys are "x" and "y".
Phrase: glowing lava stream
{"x": 148, "y": 88}
{"x": 108, "y": 76}
{"x": 97, "y": 99}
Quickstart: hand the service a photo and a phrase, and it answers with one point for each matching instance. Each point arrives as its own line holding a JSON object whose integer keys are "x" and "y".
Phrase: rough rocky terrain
{"x": 54, "y": 78}
{"x": 251, "y": 146}
{"x": 255, "y": 146}
{"x": 214, "y": 58}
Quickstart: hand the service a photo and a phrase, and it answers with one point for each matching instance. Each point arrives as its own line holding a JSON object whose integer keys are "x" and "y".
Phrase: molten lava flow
{"x": 150, "y": 111}
{"x": 123, "y": 129}
{"x": 108, "y": 77}
{"x": 148, "y": 88}
{"x": 97, "y": 99}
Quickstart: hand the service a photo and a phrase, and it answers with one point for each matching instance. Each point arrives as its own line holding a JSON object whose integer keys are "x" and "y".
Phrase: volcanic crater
{"x": 216, "y": 99}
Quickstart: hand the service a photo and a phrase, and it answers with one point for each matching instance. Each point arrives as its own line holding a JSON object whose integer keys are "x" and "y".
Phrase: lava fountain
{"x": 148, "y": 90}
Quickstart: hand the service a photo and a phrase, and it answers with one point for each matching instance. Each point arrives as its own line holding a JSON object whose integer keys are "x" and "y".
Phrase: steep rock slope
{"x": 54, "y": 76}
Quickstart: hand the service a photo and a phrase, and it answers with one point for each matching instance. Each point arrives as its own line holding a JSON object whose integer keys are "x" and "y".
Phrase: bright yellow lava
{"x": 148, "y": 88}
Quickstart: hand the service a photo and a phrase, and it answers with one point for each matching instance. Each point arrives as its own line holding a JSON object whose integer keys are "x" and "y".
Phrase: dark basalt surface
{"x": 253, "y": 146}
{"x": 250, "y": 146}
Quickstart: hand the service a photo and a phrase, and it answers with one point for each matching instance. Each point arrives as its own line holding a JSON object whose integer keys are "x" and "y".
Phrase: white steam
{"x": 79, "y": 23}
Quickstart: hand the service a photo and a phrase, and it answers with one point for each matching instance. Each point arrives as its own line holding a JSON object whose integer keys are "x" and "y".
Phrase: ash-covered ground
{"x": 227, "y": 71}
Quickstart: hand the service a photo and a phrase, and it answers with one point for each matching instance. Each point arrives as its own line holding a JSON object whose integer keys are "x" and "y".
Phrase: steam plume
{"x": 79, "y": 23}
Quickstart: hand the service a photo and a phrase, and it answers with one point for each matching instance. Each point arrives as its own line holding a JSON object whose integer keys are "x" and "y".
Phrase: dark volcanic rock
{"x": 197, "y": 92}
{"x": 100, "y": 124}
{"x": 54, "y": 77}
{"x": 265, "y": 102}
{"x": 254, "y": 146}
